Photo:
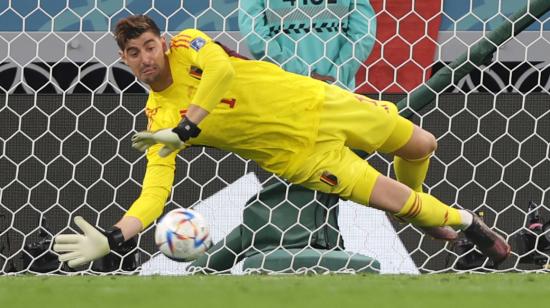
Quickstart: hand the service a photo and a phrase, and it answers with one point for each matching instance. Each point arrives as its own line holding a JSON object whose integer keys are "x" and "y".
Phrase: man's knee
{"x": 429, "y": 144}
{"x": 421, "y": 145}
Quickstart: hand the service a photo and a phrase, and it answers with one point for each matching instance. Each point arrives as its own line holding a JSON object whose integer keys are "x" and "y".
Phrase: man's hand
{"x": 79, "y": 249}
{"x": 143, "y": 140}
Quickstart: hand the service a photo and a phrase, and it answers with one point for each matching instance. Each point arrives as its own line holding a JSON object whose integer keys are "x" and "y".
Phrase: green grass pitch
{"x": 441, "y": 290}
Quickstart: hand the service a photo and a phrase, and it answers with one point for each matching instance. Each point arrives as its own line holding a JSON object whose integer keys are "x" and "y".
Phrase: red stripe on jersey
{"x": 180, "y": 40}
{"x": 177, "y": 45}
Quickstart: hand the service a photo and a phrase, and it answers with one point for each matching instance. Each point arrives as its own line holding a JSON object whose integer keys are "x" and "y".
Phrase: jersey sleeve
{"x": 159, "y": 174}
{"x": 195, "y": 47}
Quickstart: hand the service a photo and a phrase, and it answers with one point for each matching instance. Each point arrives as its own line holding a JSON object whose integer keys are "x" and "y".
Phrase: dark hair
{"x": 132, "y": 27}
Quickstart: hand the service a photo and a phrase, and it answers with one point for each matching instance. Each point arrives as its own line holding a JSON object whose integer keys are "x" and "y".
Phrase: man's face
{"x": 145, "y": 57}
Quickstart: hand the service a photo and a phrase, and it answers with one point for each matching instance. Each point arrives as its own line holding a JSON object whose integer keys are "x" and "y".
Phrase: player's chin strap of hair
{"x": 186, "y": 130}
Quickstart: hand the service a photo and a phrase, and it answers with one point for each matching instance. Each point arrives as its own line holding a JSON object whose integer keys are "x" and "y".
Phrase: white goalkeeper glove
{"x": 80, "y": 249}
{"x": 144, "y": 140}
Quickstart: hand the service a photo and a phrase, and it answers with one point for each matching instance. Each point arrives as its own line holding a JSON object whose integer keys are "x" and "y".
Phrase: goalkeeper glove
{"x": 173, "y": 139}
{"x": 79, "y": 249}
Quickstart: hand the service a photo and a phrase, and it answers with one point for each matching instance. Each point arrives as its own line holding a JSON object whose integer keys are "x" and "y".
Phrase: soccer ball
{"x": 182, "y": 235}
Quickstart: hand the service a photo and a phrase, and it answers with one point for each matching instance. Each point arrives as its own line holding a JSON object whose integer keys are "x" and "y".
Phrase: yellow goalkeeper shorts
{"x": 351, "y": 121}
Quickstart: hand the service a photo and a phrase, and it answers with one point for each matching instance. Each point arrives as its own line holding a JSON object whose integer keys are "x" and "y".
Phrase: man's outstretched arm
{"x": 92, "y": 244}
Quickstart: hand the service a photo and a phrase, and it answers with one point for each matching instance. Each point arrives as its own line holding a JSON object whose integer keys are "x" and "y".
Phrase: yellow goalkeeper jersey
{"x": 257, "y": 110}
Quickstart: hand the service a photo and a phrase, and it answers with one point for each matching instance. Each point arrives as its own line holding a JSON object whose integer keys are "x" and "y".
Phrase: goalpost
{"x": 68, "y": 108}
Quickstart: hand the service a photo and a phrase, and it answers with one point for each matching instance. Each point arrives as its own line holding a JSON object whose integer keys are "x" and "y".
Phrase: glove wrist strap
{"x": 186, "y": 130}
{"x": 115, "y": 237}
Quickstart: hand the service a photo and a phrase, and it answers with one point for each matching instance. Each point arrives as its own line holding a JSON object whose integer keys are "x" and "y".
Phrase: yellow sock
{"x": 411, "y": 172}
{"x": 426, "y": 211}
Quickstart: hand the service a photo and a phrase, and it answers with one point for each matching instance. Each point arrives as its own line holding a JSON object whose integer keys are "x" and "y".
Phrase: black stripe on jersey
{"x": 319, "y": 27}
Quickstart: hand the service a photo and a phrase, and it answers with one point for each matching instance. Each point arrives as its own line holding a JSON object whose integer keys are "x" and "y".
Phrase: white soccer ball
{"x": 182, "y": 235}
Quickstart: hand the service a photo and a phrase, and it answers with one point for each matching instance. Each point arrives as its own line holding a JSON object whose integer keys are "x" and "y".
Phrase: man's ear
{"x": 122, "y": 56}
{"x": 164, "y": 45}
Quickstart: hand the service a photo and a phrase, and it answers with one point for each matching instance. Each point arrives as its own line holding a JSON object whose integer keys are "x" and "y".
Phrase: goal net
{"x": 68, "y": 108}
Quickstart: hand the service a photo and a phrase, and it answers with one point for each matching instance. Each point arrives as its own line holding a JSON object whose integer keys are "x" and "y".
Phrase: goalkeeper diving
{"x": 302, "y": 129}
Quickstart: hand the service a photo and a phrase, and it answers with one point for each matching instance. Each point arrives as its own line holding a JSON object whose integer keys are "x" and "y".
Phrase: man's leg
{"x": 340, "y": 171}
{"x": 411, "y": 162}
{"x": 412, "y": 147}
{"x": 418, "y": 208}
{"x": 362, "y": 123}
{"x": 426, "y": 211}
{"x": 406, "y": 200}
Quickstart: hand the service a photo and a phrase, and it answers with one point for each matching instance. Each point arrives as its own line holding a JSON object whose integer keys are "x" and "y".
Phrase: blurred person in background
{"x": 324, "y": 39}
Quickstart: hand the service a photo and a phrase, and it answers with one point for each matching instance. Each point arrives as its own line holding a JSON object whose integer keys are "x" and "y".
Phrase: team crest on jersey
{"x": 195, "y": 72}
{"x": 329, "y": 178}
{"x": 197, "y": 43}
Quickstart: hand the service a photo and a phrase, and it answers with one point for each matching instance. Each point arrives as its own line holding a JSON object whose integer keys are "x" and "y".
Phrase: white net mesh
{"x": 68, "y": 108}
